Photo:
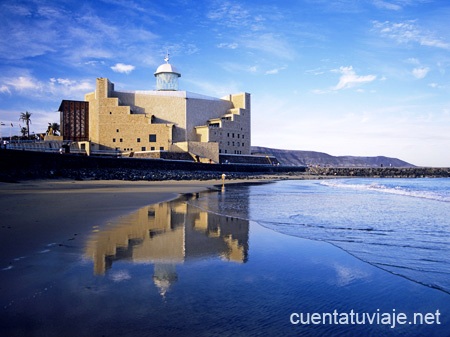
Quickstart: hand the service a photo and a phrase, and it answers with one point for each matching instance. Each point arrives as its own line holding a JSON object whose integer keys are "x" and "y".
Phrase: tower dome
{"x": 167, "y": 76}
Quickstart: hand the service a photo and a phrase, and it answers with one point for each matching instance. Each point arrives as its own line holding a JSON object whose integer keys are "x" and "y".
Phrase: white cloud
{"x": 233, "y": 45}
{"x": 274, "y": 71}
{"x": 409, "y": 32}
{"x": 4, "y": 89}
{"x": 229, "y": 14}
{"x": 387, "y": 5}
{"x": 272, "y": 44}
{"x": 349, "y": 78}
{"x": 68, "y": 87}
{"x": 123, "y": 68}
{"x": 55, "y": 87}
{"x": 413, "y": 60}
{"x": 22, "y": 83}
{"x": 420, "y": 72}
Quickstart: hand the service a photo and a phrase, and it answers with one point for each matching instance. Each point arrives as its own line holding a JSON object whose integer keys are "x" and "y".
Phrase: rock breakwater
{"x": 380, "y": 172}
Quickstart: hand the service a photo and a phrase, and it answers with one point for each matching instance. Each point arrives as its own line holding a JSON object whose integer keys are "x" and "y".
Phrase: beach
{"x": 193, "y": 258}
{"x": 36, "y": 213}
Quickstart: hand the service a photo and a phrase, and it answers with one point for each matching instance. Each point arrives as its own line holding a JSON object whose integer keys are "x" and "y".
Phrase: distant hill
{"x": 306, "y": 158}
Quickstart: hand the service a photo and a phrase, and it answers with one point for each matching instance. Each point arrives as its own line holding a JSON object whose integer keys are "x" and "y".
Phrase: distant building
{"x": 145, "y": 123}
{"x": 74, "y": 120}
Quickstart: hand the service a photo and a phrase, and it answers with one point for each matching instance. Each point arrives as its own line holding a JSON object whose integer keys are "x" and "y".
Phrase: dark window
{"x": 117, "y": 130}
{"x": 233, "y": 135}
{"x": 161, "y": 148}
{"x": 143, "y": 148}
{"x": 138, "y": 140}
{"x": 152, "y": 138}
{"x": 152, "y": 148}
{"x": 121, "y": 140}
{"x": 114, "y": 140}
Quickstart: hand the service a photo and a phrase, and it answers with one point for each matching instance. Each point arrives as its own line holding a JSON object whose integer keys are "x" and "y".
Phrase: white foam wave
{"x": 398, "y": 190}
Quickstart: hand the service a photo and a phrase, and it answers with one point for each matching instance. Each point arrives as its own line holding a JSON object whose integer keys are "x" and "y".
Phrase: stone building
{"x": 147, "y": 123}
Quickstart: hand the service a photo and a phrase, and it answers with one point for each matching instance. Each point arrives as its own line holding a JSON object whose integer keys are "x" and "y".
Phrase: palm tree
{"x": 26, "y": 117}
{"x": 24, "y": 132}
{"x": 55, "y": 128}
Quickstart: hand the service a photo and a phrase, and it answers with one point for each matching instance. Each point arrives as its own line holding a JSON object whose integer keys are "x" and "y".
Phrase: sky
{"x": 345, "y": 77}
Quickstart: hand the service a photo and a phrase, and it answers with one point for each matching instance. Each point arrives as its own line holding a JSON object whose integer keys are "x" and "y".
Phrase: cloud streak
{"x": 27, "y": 85}
{"x": 350, "y": 79}
{"x": 409, "y": 32}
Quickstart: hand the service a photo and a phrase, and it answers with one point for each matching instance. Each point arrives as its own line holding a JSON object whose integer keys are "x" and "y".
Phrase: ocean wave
{"x": 383, "y": 188}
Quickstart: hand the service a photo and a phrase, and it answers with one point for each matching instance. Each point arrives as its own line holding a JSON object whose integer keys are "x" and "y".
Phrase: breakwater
{"x": 22, "y": 165}
{"x": 380, "y": 172}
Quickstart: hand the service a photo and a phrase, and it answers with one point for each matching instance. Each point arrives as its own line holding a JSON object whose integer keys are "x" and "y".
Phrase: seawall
{"x": 21, "y": 165}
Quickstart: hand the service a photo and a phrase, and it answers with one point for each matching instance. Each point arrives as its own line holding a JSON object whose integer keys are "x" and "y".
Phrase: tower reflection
{"x": 167, "y": 234}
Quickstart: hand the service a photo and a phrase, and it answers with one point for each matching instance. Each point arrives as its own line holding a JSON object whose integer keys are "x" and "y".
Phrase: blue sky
{"x": 364, "y": 78}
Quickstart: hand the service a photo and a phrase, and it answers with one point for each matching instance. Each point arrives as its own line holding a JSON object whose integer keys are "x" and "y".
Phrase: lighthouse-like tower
{"x": 167, "y": 76}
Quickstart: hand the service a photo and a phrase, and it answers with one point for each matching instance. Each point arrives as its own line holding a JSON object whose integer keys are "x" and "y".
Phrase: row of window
{"x": 235, "y": 151}
{"x": 152, "y": 148}
{"x": 232, "y": 135}
{"x": 151, "y": 139}
{"x": 235, "y": 143}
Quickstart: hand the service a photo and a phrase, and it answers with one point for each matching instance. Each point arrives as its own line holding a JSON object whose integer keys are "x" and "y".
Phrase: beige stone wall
{"x": 113, "y": 126}
{"x": 164, "y": 109}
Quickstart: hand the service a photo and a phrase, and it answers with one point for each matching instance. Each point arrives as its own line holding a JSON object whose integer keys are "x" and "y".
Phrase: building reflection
{"x": 168, "y": 234}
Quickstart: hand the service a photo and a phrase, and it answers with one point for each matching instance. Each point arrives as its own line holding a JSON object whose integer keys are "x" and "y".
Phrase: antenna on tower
{"x": 167, "y": 57}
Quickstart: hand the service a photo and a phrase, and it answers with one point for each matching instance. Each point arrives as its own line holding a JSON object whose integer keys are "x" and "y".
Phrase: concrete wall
{"x": 38, "y": 165}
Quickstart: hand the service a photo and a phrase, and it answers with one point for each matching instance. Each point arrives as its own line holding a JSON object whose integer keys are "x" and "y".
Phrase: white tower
{"x": 167, "y": 76}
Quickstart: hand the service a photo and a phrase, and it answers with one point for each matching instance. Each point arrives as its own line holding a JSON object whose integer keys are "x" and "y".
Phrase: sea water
{"x": 248, "y": 260}
{"x": 399, "y": 225}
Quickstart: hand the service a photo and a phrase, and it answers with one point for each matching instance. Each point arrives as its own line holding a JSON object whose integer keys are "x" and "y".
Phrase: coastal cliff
{"x": 311, "y": 158}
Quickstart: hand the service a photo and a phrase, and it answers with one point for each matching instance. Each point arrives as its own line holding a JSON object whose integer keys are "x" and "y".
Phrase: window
{"x": 228, "y": 134}
{"x": 242, "y": 144}
{"x": 238, "y": 135}
{"x": 233, "y": 143}
{"x": 242, "y": 136}
{"x": 233, "y": 134}
{"x": 161, "y": 148}
{"x": 143, "y": 148}
{"x": 121, "y": 140}
{"x": 114, "y": 140}
{"x": 152, "y": 138}
{"x": 110, "y": 113}
{"x": 117, "y": 130}
{"x": 138, "y": 140}
{"x": 152, "y": 148}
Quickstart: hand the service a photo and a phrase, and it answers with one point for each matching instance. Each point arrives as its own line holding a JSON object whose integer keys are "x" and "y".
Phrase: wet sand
{"x": 37, "y": 213}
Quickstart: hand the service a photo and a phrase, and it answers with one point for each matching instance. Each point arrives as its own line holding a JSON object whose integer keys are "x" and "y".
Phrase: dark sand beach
{"x": 36, "y": 213}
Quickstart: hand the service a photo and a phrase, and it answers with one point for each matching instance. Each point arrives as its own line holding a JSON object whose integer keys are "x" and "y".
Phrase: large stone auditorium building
{"x": 165, "y": 120}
